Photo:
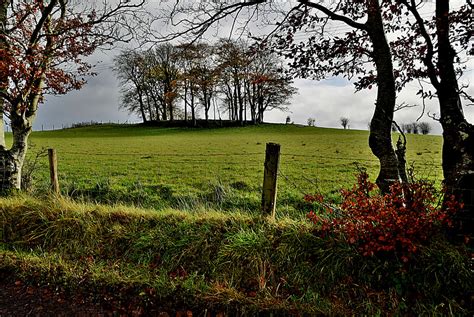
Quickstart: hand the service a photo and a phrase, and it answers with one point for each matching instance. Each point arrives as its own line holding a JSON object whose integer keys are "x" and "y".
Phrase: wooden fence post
{"x": 53, "y": 170}
{"x": 272, "y": 160}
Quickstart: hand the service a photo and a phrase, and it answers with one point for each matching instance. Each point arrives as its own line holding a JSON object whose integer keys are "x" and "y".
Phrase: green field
{"x": 218, "y": 168}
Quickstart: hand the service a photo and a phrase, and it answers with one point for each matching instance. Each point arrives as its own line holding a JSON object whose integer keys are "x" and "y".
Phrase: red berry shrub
{"x": 394, "y": 223}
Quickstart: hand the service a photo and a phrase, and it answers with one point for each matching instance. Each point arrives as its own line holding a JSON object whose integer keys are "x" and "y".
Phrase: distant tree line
{"x": 414, "y": 127}
{"x": 172, "y": 82}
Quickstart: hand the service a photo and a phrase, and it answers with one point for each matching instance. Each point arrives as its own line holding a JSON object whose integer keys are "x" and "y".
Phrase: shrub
{"x": 396, "y": 223}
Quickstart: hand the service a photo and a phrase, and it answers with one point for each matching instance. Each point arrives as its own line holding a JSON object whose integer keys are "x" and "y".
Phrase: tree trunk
{"x": 170, "y": 106}
{"x": 164, "y": 111}
{"x": 11, "y": 161}
{"x": 2, "y": 126}
{"x": 206, "y": 109}
{"x": 193, "y": 111}
{"x": 3, "y": 80}
{"x": 253, "y": 106}
{"x": 241, "y": 102}
{"x": 185, "y": 101}
{"x": 380, "y": 139}
{"x": 21, "y": 114}
{"x": 142, "y": 107}
{"x": 10, "y": 169}
{"x": 260, "y": 102}
{"x": 458, "y": 134}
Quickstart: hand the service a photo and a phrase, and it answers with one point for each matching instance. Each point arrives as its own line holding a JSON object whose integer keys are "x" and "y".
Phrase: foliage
{"x": 44, "y": 47}
{"x": 395, "y": 223}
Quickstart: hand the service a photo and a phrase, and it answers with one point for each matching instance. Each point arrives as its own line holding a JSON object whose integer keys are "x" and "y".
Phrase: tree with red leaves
{"x": 42, "y": 46}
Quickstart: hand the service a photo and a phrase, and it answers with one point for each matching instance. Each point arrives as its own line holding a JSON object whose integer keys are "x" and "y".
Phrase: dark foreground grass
{"x": 211, "y": 260}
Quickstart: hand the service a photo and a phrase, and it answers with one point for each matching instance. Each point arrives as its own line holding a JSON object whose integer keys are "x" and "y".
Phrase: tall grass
{"x": 204, "y": 258}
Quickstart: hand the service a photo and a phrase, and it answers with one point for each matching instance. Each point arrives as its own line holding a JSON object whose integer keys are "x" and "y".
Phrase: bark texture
{"x": 3, "y": 79}
{"x": 12, "y": 160}
{"x": 458, "y": 134}
{"x": 380, "y": 139}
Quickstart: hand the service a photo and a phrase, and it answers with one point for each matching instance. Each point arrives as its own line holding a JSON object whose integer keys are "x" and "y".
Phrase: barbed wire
{"x": 256, "y": 158}
{"x": 335, "y": 209}
{"x": 151, "y": 155}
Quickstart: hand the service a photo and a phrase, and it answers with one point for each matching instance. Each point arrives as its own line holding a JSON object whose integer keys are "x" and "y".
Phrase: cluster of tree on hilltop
{"x": 230, "y": 79}
{"x": 415, "y": 127}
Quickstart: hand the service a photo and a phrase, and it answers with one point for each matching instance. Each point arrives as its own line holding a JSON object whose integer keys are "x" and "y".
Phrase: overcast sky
{"x": 326, "y": 101}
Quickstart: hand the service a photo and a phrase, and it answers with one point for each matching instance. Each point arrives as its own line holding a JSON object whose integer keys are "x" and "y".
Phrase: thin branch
{"x": 428, "y": 59}
{"x": 402, "y": 106}
{"x": 334, "y": 16}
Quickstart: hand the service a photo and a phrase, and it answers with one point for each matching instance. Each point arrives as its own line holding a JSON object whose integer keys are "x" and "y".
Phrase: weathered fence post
{"x": 53, "y": 170}
{"x": 272, "y": 160}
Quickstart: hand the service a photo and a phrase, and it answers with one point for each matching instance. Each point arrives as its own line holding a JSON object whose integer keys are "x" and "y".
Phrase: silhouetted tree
{"x": 344, "y": 122}
{"x": 438, "y": 43}
{"x": 425, "y": 127}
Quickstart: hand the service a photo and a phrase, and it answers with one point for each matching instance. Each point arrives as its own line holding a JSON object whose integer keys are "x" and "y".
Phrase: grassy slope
{"x": 209, "y": 259}
{"x": 182, "y": 168}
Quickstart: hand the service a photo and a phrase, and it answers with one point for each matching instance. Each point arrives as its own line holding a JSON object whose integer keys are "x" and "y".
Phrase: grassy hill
{"x": 222, "y": 168}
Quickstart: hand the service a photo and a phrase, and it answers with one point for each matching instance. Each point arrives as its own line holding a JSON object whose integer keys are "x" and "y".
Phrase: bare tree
{"x": 206, "y": 76}
{"x": 233, "y": 67}
{"x": 344, "y": 122}
{"x": 130, "y": 68}
{"x": 439, "y": 43}
{"x": 407, "y": 127}
{"x": 189, "y": 56}
{"x": 425, "y": 127}
{"x": 268, "y": 86}
{"x": 162, "y": 78}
